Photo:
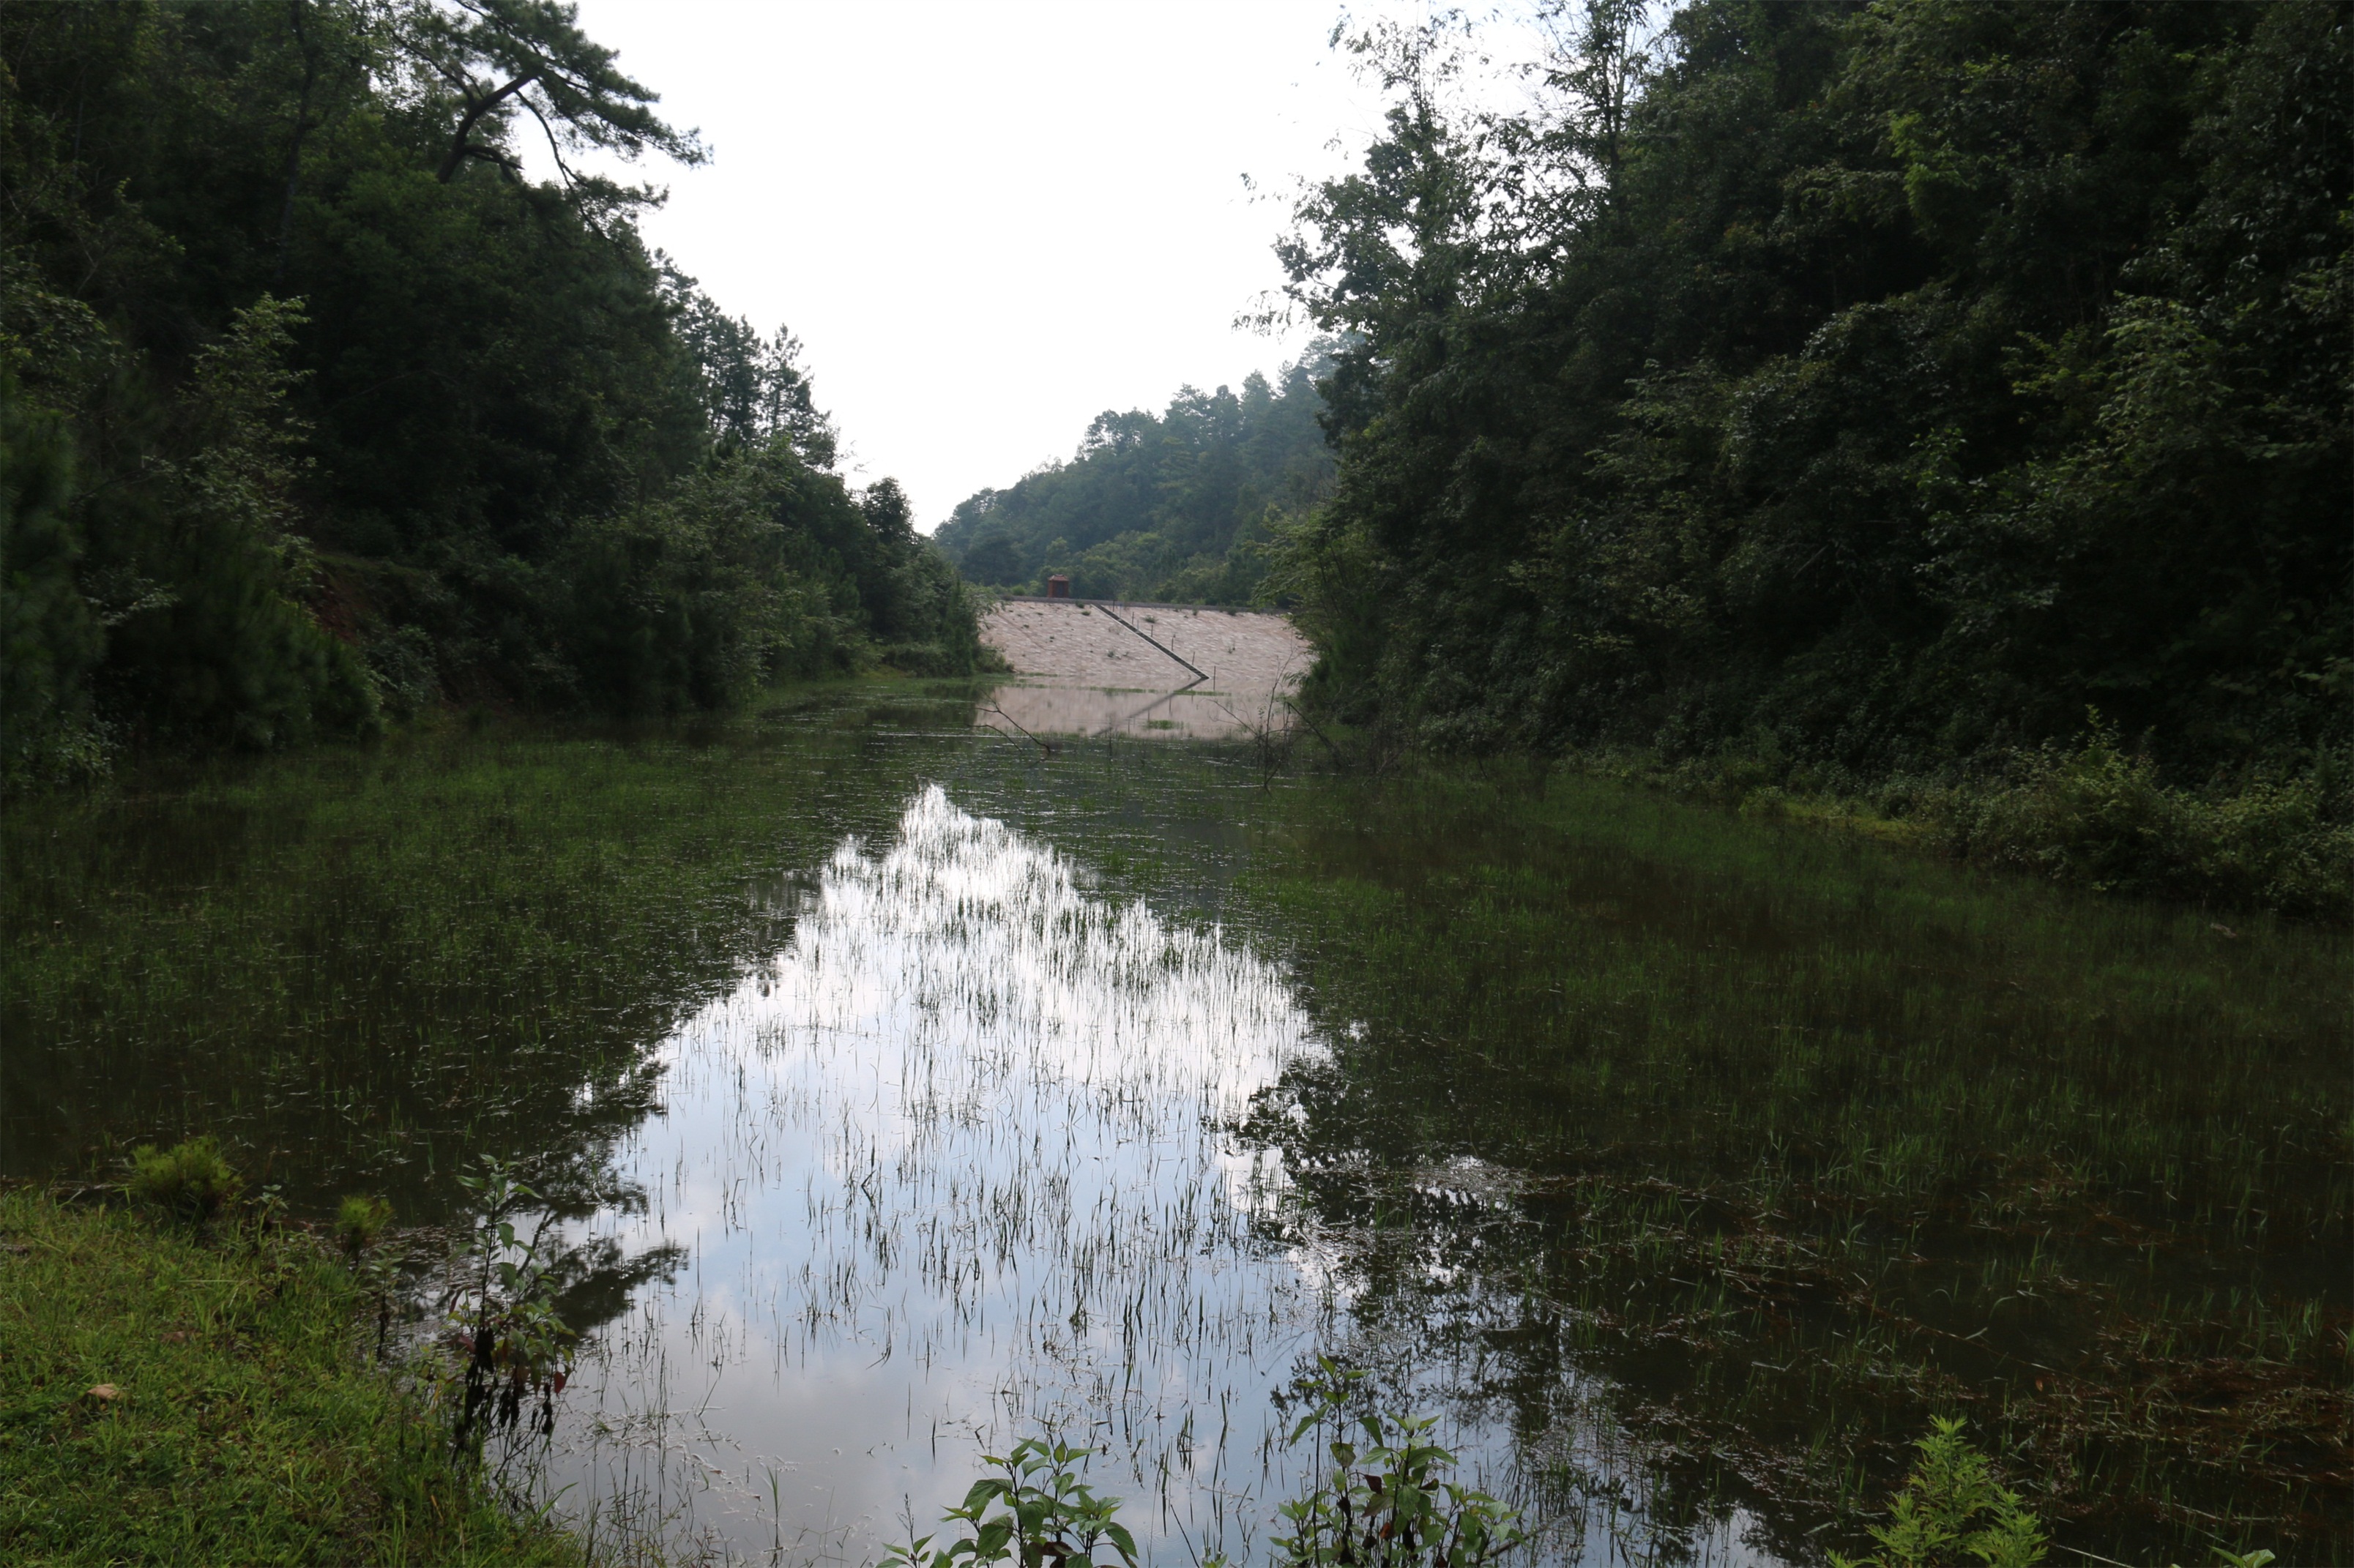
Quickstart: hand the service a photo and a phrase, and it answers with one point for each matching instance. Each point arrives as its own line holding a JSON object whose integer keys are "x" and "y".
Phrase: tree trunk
{"x": 461, "y": 143}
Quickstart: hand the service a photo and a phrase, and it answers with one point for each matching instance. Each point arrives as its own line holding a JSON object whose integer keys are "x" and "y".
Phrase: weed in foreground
{"x": 1384, "y": 1503}
{"x": 1954, "y": 1511}
{"x": 1036, "y": 1511}
{"x": 360, "y": 1219}
{"x": 192, "y": 1180}
{"x": 500, "y": 1311}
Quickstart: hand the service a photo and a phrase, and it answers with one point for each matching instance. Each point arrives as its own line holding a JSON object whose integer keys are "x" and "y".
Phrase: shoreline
{"x": 169, "y": 1397}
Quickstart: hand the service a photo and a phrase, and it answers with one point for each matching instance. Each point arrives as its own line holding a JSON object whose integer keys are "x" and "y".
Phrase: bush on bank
{"x": 2093, "y": 815}
{"x": 2100, "y": 817}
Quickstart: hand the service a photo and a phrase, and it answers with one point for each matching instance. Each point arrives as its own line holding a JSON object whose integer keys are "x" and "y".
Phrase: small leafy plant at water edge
{"x": 1036, "y": 1511}
{"x": 359, "y": 1221}
{"x": 192, "y": 1180}
{"x": 502, "y": 1316}
{"x": 1952, "y": 1511}
{"x": 1383, "y": 1504}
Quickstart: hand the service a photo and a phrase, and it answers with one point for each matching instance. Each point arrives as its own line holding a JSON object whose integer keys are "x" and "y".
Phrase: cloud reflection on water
{"x": 952, "y": 1168}
{"x": 959, "y": 1165}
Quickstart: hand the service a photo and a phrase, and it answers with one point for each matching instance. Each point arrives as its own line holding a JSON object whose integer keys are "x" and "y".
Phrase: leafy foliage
{"x": 1952, "y": 1511}
{"x": 1872, "y": 388}
{"x": 1180, "y": 507}
{"x": 502, "y": 1316}
{"x": 2101, "y": 817}
{"x": 1383, "y": 1504}
{"x": 316, "y": 409}
{"x": 1035, "y": 1511}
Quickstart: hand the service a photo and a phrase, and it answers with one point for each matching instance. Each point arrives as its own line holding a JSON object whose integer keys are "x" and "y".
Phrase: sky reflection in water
{"x": 956, "y": 1167}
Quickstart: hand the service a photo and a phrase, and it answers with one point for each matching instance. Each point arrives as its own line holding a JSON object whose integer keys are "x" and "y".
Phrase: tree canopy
{"x": 317, "y": 408}
{"x": 1871, "y": 387}
{"x": 1178, "y": 506}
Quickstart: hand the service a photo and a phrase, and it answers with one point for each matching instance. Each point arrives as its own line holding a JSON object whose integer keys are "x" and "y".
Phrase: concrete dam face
{"x": 1097, "y": 667}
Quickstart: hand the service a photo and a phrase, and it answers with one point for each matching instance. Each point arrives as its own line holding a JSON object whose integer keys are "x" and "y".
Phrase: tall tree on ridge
{"x": 551, "y": 70}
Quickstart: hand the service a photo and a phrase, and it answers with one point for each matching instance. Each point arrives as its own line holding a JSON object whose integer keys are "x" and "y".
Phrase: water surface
{"x": 910, "y": 1090}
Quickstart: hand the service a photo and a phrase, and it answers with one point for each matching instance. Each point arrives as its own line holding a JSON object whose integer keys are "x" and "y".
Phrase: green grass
{"x": 2095, "y": 817}
{"x": 247, "y": 1423}
{"x": 1792, "y": 1138}
{"x": 358, "y": 967}
{"x": 1805, "y": 1139}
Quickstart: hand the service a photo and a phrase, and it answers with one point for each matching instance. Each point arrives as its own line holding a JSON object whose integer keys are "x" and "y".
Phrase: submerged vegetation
{"x": 1755, "y": 1149}
{"x": 314, "y": 410}
{"x": 1809, "y": 1144}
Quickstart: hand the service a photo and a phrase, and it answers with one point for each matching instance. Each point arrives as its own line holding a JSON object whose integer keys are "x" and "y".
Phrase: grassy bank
{"x": 168, "y": 1397}
{"x": 2096, "y": 816}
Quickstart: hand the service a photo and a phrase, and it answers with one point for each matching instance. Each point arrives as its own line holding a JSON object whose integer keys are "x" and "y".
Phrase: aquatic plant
{"x": 1385, "y": 1502}
{"x": 360, "y": 1219}
{"x": 1953, "y": 1511}
{"x": 192, "y": 1179}
{"x": 501, "y": 1315}
{"x": 1034, "y": 1511}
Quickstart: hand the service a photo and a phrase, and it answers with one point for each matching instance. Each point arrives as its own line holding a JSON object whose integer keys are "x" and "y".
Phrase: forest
{"x": 1793, "y": 502}
{"x": 1943, "y": 403}
{"x": 1179, "y": 507}
{"x": 320, "y": 410}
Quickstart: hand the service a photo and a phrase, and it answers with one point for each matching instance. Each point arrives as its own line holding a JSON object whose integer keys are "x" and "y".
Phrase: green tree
{"x": 1179, "y": 505}
{"x": 1874, "y": 390}
{"x": 490, "y": 455}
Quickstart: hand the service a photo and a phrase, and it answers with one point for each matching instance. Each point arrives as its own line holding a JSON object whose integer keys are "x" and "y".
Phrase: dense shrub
{"x": 1872, "y": 390}
{"x": 2099, "y": 817}
{"x": 313, "y": 408}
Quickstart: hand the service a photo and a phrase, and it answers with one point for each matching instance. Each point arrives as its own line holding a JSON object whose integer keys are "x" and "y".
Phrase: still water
{"x": 962, "y": 1162}
{"x": 954, "y": 1166}
{"x": 907, "y": 1091}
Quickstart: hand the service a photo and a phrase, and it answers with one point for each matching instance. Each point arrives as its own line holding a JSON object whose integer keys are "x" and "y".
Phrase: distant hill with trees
{"x": 1178, "y": 506}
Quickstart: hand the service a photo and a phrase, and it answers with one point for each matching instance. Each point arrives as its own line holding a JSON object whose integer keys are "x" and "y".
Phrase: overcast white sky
{"x": 989, "y": 222}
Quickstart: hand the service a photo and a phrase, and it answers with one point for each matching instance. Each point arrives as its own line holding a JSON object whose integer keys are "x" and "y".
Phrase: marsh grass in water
{"x": 1800, "y": 1140}
{"x": 1687, "y": 1165}
{"x": 360, "y": 967}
